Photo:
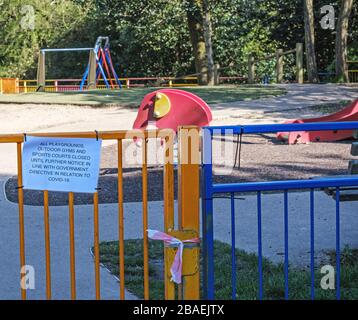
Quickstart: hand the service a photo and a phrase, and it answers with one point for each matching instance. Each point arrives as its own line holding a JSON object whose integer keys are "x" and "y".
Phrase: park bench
{"x": 346, "y": 193}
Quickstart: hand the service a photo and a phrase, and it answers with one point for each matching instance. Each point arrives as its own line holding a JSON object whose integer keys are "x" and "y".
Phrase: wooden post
{"x": 299, "y": 63}
{"x": 56, "y": 86}
{"x": 279, "y": 65}
{"x": 251, "y": 69}
{"x": 128, "y": 83}
{"x": 25, "y": 86}
{"x": 1, "y": 86}
{"x": 188, "y": 201}
{"x": 170, "y": 83}
{"x": 91, "y": 80}
{"x": 41, "y": 80}
{"x": 216, "y": 74}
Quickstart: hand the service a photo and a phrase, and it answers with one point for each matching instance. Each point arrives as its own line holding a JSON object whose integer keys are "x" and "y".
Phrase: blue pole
{"x": 233, "y": 249}
{"x": 338, "y": 246}
{"x": 110, "y": 63}
{"x": 84, "y": 77}
{"x": 259, "y": 241}
{"x": 312, "y": 242}
{"x": 102, "y": 72}
{"x": 286, "y": 241}
{"x": 207, "y": 217}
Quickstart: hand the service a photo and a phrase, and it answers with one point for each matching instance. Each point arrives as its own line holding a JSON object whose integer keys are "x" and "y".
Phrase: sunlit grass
{"x": 247, "y": 273}
{"x": 131, "y": 98}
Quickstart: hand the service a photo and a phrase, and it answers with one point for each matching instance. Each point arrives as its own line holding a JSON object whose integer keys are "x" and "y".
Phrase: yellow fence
{"x": 188, "y": 190}
{"x": 9, "y": 85}
{"x": 25, "y": 86}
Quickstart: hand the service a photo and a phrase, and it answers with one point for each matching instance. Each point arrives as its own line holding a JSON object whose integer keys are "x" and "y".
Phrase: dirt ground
{"x": 263, "y": 158}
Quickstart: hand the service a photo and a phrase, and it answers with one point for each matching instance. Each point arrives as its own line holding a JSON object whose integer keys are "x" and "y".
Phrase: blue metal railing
{"x": 209, "y": 189}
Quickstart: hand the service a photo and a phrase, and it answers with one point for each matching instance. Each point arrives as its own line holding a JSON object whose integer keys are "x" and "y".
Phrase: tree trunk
{"x": 196, "y": 29}
{"x": 341, "y": 41}
{"x": 310, "y": 42}
{"x": 208, "y": 42}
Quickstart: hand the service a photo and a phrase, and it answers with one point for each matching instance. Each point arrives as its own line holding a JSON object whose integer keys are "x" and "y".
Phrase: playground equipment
{"x": 170, "y": 108}
{"x": 104, "y": 65}
{"x": 350, "y": 113}
{"x": 100, "y": 64}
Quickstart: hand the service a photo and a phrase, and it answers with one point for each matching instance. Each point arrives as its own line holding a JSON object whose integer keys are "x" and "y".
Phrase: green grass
{"x": 133, "y": 97}
{"x": 247, "y": 275}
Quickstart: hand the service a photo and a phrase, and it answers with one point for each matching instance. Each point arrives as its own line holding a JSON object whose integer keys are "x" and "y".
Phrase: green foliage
{"x": 151, "y": 37}
{"x": 26, "y": 27}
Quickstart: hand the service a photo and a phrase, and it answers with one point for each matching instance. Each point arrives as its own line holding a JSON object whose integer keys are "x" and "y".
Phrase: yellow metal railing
{"x": 188, "y": 187}
{"x": 118, "y": 136}
{"x": 25, "y": 86}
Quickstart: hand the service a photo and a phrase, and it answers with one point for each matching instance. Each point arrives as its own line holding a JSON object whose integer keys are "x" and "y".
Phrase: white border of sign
{"x": 61, "y": 164}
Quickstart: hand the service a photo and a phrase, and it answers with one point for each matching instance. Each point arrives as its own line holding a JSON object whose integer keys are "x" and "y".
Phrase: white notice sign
{"x": 61, "y": 164}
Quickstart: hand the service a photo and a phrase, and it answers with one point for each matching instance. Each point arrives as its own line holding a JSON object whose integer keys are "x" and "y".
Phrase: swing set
{"x": 100, "y": 65}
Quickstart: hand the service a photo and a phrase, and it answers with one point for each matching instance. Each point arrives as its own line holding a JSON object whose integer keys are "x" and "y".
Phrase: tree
{"x": 196, "y": 30}
{"x": 208, "y": 42}
{"x": 341, "y": 41}
{"x": 310, "y": 42}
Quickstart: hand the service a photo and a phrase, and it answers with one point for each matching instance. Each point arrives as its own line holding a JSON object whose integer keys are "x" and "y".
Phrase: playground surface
{"x": 304, "y": 160}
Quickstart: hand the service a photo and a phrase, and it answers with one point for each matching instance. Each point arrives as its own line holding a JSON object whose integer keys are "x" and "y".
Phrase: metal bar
{"x": 120, "y": 219}
{"x": 99, "y": 65}
{"x": 168, "y": 190}
{"x": 96, "y": 246}
{"x": 271, "y": 128}
{"x": 208, "y": 261}
{"x": 72, "y": 245}
{"x": 65, "y": 49}
{"x": 104, "y": 135}
{"x": 286, "y": 241}
{"x": 145, "y": 219}
{"x": 207, "y": 217}
{"x": 20, "y": 195}
{"x": 47, "y": 245}
{"x": 338, "y": 246}
{"x": 233, "y": 249}
{"x": 284, "y": 185}
{"x": 259, "y": 241}
{"x": 312, "y": 264}
{"x": 189, "y": 200}
{"x": 108, "y": 55}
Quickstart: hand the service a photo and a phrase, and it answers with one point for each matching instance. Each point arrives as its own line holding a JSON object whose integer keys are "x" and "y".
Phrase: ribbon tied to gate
{"x": 177, "y": 266}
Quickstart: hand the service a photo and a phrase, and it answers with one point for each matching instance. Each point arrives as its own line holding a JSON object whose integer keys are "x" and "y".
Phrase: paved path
{"x": 74, "y": 119}
{"x": 287, "y": 106}
{"x": 60, "y": 265}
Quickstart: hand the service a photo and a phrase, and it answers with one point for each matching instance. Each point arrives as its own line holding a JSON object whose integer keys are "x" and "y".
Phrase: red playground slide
{"x": 170, "y": 108}
{"x": 350, "y": 113}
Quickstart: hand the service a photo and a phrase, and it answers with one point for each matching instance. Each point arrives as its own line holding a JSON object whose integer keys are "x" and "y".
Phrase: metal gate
{"x": 210, "y": 189}
{"x": 188, "y": 214}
